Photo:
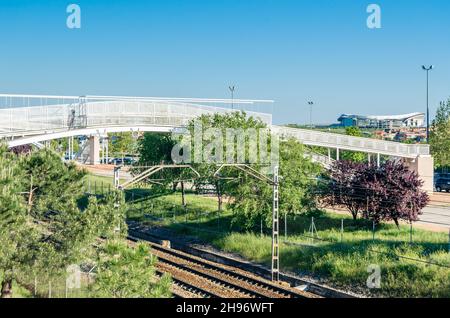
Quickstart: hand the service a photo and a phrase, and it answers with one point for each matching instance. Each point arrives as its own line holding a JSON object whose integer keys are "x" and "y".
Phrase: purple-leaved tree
{"x": 389, "y": 193}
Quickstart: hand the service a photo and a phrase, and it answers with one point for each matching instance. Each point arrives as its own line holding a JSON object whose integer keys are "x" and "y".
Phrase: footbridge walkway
{"x": 31, "y": 119}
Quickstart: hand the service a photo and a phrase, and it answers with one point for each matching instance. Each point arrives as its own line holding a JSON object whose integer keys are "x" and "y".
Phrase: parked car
{"x": 442, "y": 184}
{"x": 115, "y": 161}
{"x": 67, "y": 156}
{"x": 127, "y": 161}
{"x": 439, "y": 175}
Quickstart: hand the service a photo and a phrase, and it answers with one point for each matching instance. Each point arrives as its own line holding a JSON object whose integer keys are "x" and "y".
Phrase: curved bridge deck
{"x": 30, "y": 119}
{"x": 33, "y": 118}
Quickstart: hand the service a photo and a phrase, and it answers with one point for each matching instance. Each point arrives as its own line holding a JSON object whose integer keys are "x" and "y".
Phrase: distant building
{"x": 384, "y": 122}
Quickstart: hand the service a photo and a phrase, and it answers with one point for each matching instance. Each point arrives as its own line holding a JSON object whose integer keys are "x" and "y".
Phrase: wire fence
{"x": 295, "y": 229}
{"x": 305, "y": 231}
{"x": 97, "y": 187}
{"x": 71, "y": 285}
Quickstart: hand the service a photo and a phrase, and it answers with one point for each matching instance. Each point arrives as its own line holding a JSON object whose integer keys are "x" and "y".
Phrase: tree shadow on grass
{"x": 207, "y": 231}
{"x": 137, "y": 195}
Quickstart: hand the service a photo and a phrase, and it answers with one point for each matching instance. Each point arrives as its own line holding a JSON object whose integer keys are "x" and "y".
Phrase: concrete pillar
{"x": 337, "y": 154}
{"x": 94, "y": 150}
{"x": 116, "y": 177}
{"x": 107, "y": 150}
{"x": 72, "y": 148}
{"x": 69, "y": 148}
{"x": 378, "y": 160}
{"x": 424, "y": 166}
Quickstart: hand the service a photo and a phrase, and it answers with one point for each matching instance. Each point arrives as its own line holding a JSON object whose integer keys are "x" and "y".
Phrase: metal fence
{"x": 309, "y": 232}
{"x": 27, "y": 115}
{"x": 318, "y": 138}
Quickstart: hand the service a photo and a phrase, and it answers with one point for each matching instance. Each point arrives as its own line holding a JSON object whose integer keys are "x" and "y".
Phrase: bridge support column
{"x": 94, "y": 150}
{"x": 424, "y": 166}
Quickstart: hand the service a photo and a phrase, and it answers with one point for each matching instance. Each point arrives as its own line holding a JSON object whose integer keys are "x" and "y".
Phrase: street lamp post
{"x": 428, "y": 69}
{"x": 231, "y": 88}
{"x": 310, "y": 103}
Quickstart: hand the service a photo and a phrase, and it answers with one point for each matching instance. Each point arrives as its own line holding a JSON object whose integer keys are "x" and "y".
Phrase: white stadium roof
{"x": 384, "y": 117}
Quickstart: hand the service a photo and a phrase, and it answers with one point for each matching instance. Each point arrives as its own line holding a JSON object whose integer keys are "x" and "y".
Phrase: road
{"x": 108, "y": 171}
{"x": 437, "y": 213}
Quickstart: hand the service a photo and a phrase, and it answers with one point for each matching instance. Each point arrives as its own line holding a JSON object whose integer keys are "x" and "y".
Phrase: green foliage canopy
{"x": 440, "y": 136}
{"x": 126, "y": 272}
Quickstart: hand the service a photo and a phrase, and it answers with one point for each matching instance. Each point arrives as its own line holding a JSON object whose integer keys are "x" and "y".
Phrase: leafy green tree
{"x": 298, "y": 178}
{"x": 222, "y": 122}
{"x": 252, "y": 198}
{"x": 126, "y": 272}
{"x": 62, "y": 145}
{"x": 155, "y": 148}
{"x": 251, "y": 201}
{"x": 122, "y": 143}
{"x": 352, "y": 155}
{"x": 440, "y": 136}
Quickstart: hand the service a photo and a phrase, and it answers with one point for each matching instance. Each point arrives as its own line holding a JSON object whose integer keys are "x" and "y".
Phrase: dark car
{"x": 127, "y": 161}
{"x": 442, "y": 184}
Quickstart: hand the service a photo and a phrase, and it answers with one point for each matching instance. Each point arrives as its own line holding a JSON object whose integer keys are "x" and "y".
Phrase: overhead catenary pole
{"x": 275, "y": 268}
{"x": 275, "y": 229}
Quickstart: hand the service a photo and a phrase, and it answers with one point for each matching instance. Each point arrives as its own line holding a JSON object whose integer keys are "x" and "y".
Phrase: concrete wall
{"x": 94, "y": 150}
{"x": 424, "y": 166}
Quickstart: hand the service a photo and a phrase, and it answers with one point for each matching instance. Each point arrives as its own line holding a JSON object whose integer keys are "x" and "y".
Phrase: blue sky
{"x": 287, "y": 50}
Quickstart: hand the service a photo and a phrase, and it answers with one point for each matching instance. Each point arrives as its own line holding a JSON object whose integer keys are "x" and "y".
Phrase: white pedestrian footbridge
{"x": 31, "y": 119}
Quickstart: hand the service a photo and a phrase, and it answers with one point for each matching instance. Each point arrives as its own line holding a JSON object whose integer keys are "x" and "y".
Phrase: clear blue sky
{"x": 286, "y": 50}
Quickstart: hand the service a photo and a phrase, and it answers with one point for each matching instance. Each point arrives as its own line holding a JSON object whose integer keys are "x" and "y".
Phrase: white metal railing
{"x": 323, "y": 160}
{"x": 27, "y": 115}
{"x": 330, "y": 140}
{"x": 21, "y": 116}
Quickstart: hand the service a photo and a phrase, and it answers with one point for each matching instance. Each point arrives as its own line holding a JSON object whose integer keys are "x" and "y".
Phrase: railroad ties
{"x": 194, "y": 277}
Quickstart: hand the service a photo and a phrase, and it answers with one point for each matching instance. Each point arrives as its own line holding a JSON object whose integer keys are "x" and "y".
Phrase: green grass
{"x": 343, "y": 263}
{"x": 169, "y": 206}
{"x": 98, "y": 184}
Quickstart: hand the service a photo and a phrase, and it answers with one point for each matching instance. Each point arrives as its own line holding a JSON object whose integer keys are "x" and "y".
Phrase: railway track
{"x": 195, "y": 277}
{"x": 183, "y": 289}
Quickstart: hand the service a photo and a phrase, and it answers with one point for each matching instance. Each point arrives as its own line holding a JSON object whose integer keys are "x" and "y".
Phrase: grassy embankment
{"x": 342, "y": 259}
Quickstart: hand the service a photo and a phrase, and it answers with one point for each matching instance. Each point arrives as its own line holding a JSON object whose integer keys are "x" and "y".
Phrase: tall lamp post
{"x": 231, "y": 88}
{"x": 310, "y": 103}
{"x": 428, "y": 69}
